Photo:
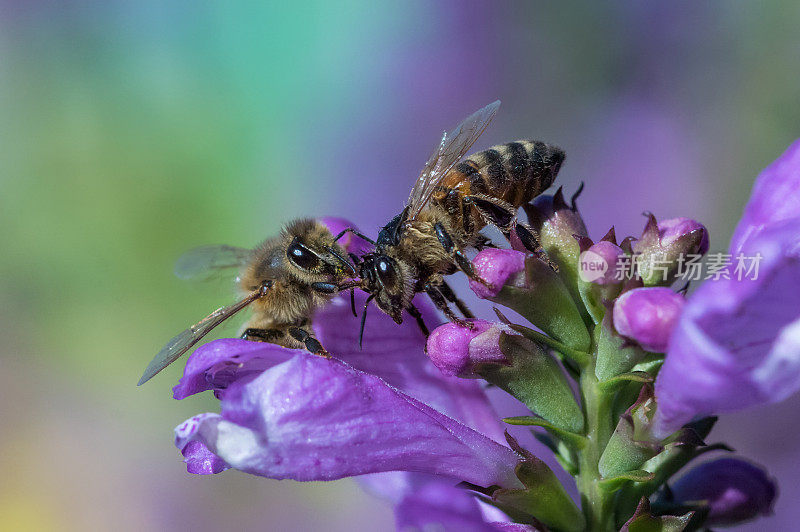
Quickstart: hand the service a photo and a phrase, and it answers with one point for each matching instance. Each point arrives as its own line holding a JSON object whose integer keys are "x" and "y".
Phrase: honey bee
{"x": 449, "y": 204}
{"x": 286, "y": 278}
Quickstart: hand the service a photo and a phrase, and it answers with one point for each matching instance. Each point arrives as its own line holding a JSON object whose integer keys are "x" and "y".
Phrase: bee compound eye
{"x": 301, "y": 256}
{"x": 386, "y": 272}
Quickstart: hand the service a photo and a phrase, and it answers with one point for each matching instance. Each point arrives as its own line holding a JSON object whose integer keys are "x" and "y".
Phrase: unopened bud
{"x": 664, "y": 245}
{"x": 600, "y": 263}
{"x": 497, "y": 267}
{"x": 647, "y": 316}
{"x": 456, "y": 350}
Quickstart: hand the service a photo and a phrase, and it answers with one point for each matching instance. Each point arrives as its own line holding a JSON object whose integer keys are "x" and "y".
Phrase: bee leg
{"x": 462, "y": 261}
{"x": 417, "y": 315}
{"x": 451, "y": 296}
{"x": 441, "y": 303}
{"x": 497, "y": 212}
{"x": 530, "y": 240}
{"x": 261, "y": 335}
{"x": 311, "y": 343}
{"x": 483, "y": 242}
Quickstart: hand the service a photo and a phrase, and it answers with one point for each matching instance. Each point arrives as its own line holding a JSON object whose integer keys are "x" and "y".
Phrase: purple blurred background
{"x": 131, "y": 131}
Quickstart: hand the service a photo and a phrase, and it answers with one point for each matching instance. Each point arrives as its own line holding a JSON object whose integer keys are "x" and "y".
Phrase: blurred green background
{"x": 132, "y": 131}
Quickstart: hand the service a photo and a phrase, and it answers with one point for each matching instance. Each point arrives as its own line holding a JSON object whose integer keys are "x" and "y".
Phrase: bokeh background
{"x": 131, "y": 131}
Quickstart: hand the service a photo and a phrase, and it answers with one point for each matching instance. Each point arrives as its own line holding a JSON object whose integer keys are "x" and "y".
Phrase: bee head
{"x": 311, "y": 254}
{"x": 389, "y": 281}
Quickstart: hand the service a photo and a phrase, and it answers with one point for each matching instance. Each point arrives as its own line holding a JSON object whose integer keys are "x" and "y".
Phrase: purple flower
{"x": 288, "y": 414}
{"x": 775, "y": 198}
{"x": 498, "y": 267}
{"x": 733, "y": 490}
{"x": 647, "y": 316}
{"x": 455, "y": 350}
{"x": 737, "y": 342}
{"x": 312, "y": 418}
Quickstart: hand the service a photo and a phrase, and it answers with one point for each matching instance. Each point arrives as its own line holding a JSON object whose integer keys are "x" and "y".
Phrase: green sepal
{"x": 629, "y": 392}
{"x": 642, "y": 377}
{"x": 615, "y": 354}
{"x": 614, "y": 483}
{"x": 684, "y": 448}
{"x": 534, "y": 377}
{"x": 563, "y": 454}
{"x": 547, "y": 304}
{"x": 644, "y": 521}
{"x": 631, "y": 445}
{"x": 543, "y": 496}
{"x": 576, "y": 440}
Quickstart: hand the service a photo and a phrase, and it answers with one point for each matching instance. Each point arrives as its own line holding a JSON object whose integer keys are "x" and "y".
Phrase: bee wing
{"x": 205, "y": 262}
{"x": 185, "y": 340}
{"x": 451, "y": 149}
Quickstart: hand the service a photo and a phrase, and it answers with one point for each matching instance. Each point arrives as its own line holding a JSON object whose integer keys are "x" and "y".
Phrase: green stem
{"x": 596, "y": 501}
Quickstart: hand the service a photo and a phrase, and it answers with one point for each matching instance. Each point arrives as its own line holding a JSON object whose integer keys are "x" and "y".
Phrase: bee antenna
{"x": 350, "y": 268}
{"x": 364, "y": 321}
{"x": 358, "y": 234}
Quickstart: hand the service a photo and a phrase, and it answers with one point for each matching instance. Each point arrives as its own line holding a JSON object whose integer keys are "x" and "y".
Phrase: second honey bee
{"x": 286, "y": 278}
{"x": 450, "y": 203}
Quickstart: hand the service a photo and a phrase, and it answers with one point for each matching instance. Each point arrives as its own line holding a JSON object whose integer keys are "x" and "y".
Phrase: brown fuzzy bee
{"x": 448, "y": 206}
{"x": 286, "y": 278}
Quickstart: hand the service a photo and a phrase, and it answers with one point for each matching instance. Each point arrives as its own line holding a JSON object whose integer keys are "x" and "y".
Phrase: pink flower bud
{"x": 647, "y": 316}
{"x": 498, "y": 267}
{"x": 673, "y": 229}
{"x": 455, "y": 350}
{"x": 600, "y": 262}
{"x": 664, "y": 245}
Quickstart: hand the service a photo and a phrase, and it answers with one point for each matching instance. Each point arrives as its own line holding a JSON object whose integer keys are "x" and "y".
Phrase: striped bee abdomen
{"x": 515, "y": 172}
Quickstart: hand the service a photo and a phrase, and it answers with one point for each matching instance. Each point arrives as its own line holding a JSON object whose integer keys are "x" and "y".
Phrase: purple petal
{"x": 736, "y": 343}
{"x": 734, "y": 490}
{"x": 199, "y": 460}
{"x": 441, "y": 507}
{"x": 395, "y": 353}
{"x": 217, "y": 364}
{"x": 317, "y": 419}
{"x": 775, "y": 198}
{"x": 349, "y": 241}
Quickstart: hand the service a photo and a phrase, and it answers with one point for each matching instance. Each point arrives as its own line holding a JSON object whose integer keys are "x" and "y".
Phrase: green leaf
{"x": 615, "y": 482}
{"x": 576, "y": 440}
{"x": 534, "y": 377}
{"x": 634, "y": 376}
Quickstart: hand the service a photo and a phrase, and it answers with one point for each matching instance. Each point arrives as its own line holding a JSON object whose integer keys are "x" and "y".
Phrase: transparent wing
{"x": 451, "y": 149}
{"x": 185, "y": 340}
{"x": 206, "y": 262}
